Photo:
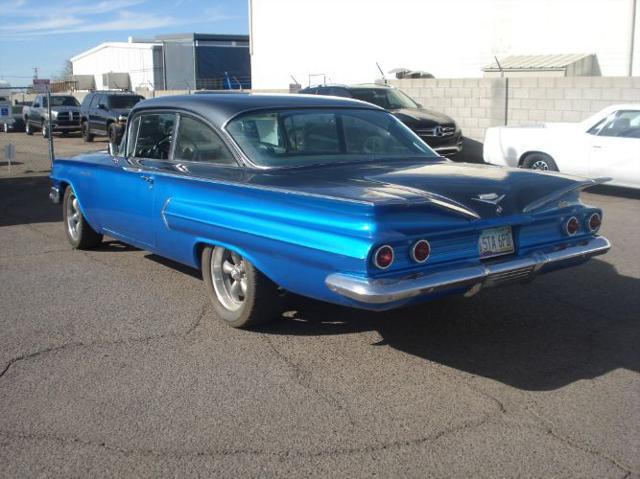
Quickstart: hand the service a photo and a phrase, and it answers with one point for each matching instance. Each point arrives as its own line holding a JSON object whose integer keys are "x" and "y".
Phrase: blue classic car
{"x": 329, "y": 198}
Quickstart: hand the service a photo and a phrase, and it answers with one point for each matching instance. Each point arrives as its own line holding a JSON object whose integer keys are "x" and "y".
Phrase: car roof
{"x": 221, "y": 107}
{"x": 369, "y": 86}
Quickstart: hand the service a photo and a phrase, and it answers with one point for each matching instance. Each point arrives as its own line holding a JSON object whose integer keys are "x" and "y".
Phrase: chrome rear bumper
{"x": 389, "y": 290}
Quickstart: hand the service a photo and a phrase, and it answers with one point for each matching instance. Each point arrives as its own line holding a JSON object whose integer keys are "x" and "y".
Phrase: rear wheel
{"x": 79, "y": 233}
{"x": 86, "y": 134}
{"x": 540, "y": 161}
{"x": 241, "y": 295}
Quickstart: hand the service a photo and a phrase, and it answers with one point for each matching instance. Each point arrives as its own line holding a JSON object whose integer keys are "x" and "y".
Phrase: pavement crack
{"x": 224, "y": 452}
{"x": 198, "y": 320}
{"x": 40, "y": 352}
{"x": 304, "y": 379}
{"x": 550, "y": 428}
{"x": 79, "y": 344}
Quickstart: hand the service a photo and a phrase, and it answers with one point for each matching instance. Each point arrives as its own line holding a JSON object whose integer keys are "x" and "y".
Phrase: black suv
{"x": 436, "y": 129}
{"x": 105, "y": 113}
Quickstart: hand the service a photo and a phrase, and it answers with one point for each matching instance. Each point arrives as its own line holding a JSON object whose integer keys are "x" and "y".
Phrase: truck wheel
{"x": 45, "y": 130}
{"x": 241, "y": 295}
{"x": 79, "y": 233}
{"x": 5, "y": 128}
{"x": 27, "y": 128}
{"x": 540, "y": 161}
{"x": 113, "y": 133}
{"x": 86, "y": 134}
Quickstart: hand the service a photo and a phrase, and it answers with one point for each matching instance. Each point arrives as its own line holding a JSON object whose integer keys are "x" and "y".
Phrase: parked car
{"x": 65, "y": 115}
{"x": 325, "y": 197}
{"x": 105, "y": 113}
{"x": 14, "y": 121}
{"x": 438, "y": 130}
{"x": 605, "y": 144}
{"x": 5, "y": 109}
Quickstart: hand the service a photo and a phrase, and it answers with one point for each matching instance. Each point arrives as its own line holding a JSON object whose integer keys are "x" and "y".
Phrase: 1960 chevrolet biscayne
{"x": 329, "y": 198}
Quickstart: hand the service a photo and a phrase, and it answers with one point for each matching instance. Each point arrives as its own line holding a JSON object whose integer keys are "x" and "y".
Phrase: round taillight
{"x": 594, "y": 222}
{"x": 420, "y": 251}
{"x": 383, "y": 257}
{"x": 572, "y": 226}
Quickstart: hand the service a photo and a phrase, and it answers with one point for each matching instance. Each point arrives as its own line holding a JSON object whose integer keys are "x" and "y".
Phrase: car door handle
{"x": 147, "y": 178}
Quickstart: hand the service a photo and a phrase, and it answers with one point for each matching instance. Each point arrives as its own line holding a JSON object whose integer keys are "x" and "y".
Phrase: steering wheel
{"x": 161, "y": 149}
{"x": 189, "y": 151}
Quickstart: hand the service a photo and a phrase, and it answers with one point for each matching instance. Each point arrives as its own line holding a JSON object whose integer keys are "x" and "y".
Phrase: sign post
{"x": 9, "y": 154}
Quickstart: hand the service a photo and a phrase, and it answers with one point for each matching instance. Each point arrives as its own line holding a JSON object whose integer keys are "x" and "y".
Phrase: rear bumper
{"x": 473, "y": 278}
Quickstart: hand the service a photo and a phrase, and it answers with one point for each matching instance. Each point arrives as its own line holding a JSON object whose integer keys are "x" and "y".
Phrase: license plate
{"x": 495, "y": 242}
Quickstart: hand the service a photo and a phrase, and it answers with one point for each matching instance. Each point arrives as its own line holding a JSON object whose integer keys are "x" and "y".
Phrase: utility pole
{"x": 633, "y": 34}
{"x": 35, "y": 73}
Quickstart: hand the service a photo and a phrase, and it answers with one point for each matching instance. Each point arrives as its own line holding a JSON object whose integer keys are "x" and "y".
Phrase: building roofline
{"x": 112, "y": 45}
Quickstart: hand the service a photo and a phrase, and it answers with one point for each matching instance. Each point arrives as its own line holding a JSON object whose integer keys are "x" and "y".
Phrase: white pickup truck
{"x": 606, "y": 144}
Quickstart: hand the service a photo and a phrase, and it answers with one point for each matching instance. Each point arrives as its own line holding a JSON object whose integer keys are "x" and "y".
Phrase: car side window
{"x": 196, "y": 141}
{"x": 94, "y": 101}
{"x": 154, "y": 136}
{"x": 86, "y": 102}
{"x": 625, "y": 124}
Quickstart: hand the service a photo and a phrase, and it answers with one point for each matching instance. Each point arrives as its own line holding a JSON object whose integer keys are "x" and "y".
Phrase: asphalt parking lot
{"x": 112, "y": 364}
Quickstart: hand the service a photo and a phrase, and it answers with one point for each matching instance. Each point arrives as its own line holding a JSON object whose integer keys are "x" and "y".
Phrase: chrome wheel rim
{"x": 73, "y": 217}
{"x": 540, "y": 165}
{"x": 229, "y": 278}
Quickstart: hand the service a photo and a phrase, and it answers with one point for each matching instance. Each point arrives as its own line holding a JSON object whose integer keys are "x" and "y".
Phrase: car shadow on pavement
{"x": 25, "y": 200}
{"x": 538, "y": 336}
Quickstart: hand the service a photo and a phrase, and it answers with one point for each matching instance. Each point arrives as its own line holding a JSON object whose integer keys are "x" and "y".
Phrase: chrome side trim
{"x": 556, "y": 195}
{"x": 476, "y": 277}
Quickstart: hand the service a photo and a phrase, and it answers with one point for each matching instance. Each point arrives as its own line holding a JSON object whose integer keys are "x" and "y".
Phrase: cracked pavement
{"x": 112, "y": 364}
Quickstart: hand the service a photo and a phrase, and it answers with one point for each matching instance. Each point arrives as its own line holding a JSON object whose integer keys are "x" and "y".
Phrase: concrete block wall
{"x": 478, "y": 103}
{"x": 567, "y": 99}
{"x": 474, "y": 103}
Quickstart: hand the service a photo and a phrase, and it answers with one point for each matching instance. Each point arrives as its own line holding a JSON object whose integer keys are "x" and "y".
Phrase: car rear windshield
{"x": 300, "y": 137}
{"x": 123, "y": 101}
{"x": 384, "y": 97}
{"x": 63, "y": 101}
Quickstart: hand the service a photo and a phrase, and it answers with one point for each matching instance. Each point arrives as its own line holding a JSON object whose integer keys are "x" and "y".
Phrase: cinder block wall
{"x": 477, "y": 103}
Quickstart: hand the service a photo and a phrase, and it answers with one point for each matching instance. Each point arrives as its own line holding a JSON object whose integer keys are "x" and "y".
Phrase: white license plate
{"x": 495, "y": 242}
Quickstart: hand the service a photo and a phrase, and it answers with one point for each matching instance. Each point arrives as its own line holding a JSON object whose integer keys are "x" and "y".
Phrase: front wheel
{"x": 540, "y": 161}
{"x": 241, "y": 295}
{"x": 45, "y": 130}
{"x": 86, "y": 133}
{"x": 27, "y": 127}
{"x": 114, "y": 133}
{"x": 79, "y": 233}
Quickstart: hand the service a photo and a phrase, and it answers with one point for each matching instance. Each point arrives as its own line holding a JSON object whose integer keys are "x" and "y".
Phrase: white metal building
{"x": 134, "y": 58}
{"x": 341, "y": 40}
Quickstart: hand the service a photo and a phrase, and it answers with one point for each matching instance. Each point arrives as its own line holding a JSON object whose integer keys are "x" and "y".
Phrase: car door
{"x": 615, "y": 149}
{"x": 128, "y": 188}
{"x": 96, "y": 113}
